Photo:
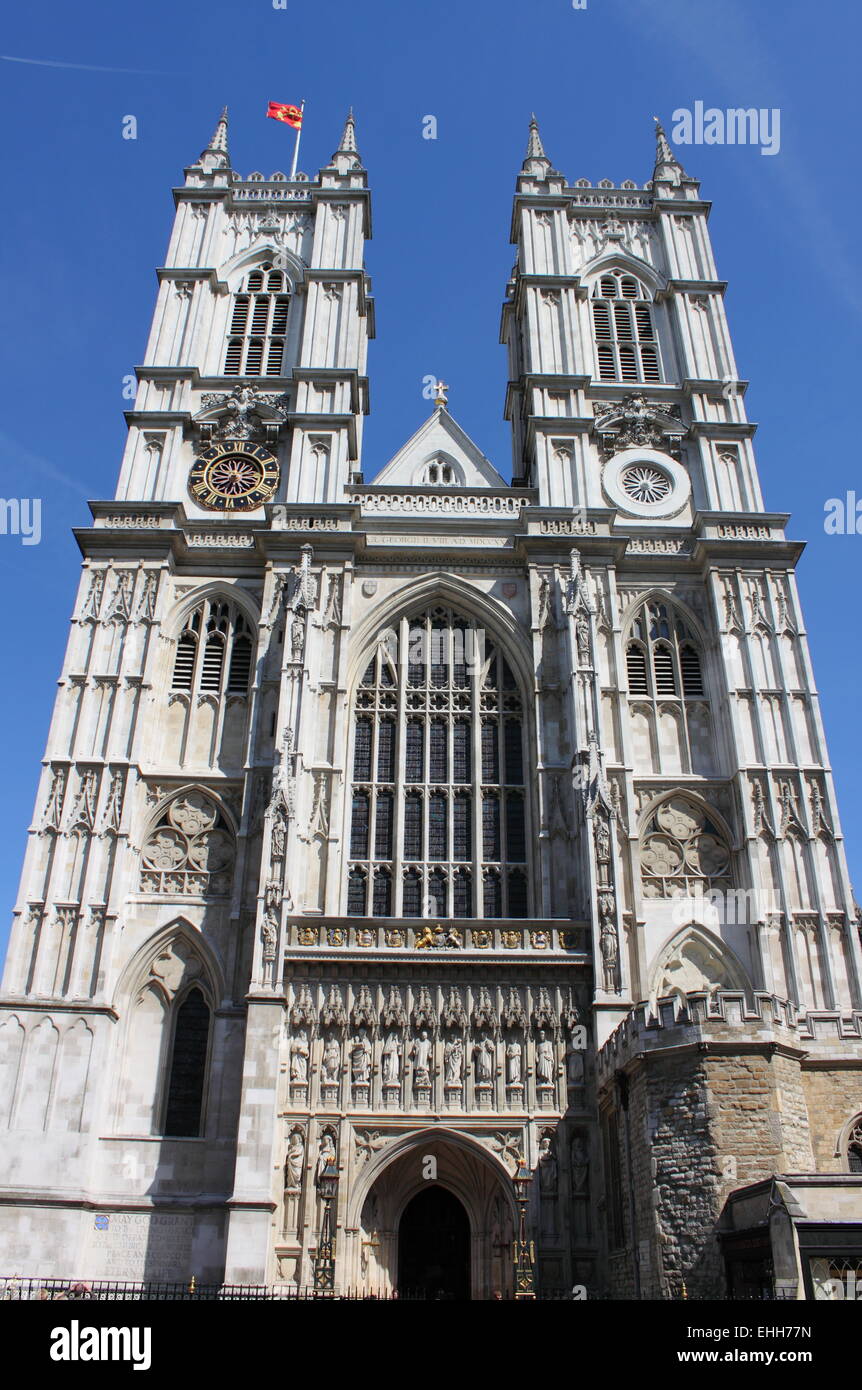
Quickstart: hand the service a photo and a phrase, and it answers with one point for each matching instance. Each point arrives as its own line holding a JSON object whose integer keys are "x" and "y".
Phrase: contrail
{"x": 84, "y": 67}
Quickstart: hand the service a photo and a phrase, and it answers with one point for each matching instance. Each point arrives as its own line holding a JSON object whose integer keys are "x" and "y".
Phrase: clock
{"x": 234, "y": 477}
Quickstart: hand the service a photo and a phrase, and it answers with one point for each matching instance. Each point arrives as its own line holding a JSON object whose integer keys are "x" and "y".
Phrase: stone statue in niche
{"x": 278, "y": 834}
{"x": 331, "y": 1060}
{"x": 603, "y": 840}
{"x": 269, "y": 936}
{"x": 544, "y": 1059}
{"x": 582, "y": 637}
{"x": 580, "y": 1166}
{"x": 392, "y": 1060}
{"x": 421, "y": 1052}
{"x": 299, "y": 1057}
{"x": 360, "y": 1059}
{"x": 575, "y": 1066}
{"x": 325, "y": 1154}
{"x": 297, "y": 637}
{"x": 453, "y": 1056}
{"x": 293, "y": 1164}
{"x": 547, "y": 1167}
{"x": 513, "y": 1062}
{"x": 483, "y": 1054}
{"x": 546, "y": 609}
{"x": 610, "y": 955}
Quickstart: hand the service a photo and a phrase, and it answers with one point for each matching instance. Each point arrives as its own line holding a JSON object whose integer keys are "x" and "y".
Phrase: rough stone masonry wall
{"x": 716, "y": 1100}
{"x": 701, "y": 1125}
{"x": 760, "y": 1121}
{"x": 833, "y": 1096}
{"x": 673, "y": 1179}
{"x": 681, "y": 1195}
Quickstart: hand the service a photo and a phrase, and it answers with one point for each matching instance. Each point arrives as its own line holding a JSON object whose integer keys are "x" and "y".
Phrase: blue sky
{"x": 87, "y": 216}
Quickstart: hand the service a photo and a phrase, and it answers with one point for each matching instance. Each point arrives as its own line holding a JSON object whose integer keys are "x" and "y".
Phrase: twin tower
{"x": 400, "y": 837}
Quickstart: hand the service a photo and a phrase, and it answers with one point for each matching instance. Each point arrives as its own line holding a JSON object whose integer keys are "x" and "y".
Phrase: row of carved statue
{"x": 400, "y": 1051}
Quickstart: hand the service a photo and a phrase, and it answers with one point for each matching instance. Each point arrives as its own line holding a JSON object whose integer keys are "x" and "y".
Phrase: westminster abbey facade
{"x": 416, "y": 849}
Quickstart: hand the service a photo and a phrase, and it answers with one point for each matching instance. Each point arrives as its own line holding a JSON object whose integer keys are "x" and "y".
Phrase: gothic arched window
{"x": 666, "y": 688}
{"x": 683, "y": 852}
{"x": 662, "y": 655}
{"x": 438, "y": 472}
{"x": 439, "y": 820}
{"x": 258, "y": 324}
{"x": 188, "y": 1066}
{"x": 624, "y": 328}
{"x": 214, "y": 650}
{"x": 854, "y": 1146}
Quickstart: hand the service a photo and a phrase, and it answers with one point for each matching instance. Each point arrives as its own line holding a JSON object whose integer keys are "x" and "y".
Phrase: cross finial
{"x": 440, "y": 389}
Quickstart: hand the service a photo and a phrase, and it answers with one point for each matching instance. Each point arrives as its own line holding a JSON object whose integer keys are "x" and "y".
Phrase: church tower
{"x": 429, "y": 862}
{"x": 722, "y": 909}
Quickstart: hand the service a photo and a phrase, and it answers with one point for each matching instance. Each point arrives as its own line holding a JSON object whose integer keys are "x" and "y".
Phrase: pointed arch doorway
{"x": 394, "y": 1243}
{"x": 434, "y": 1247}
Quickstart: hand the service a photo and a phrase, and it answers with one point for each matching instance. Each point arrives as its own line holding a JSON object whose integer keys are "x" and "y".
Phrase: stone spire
{"x": 216, "y": 156}
{"x": 667, "y": 167}
{"x": 536, "y": 162}
{"x": 348, "y": 138}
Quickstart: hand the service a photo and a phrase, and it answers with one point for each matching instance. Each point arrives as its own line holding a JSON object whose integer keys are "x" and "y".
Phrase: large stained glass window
{"x": 439, "y": 813}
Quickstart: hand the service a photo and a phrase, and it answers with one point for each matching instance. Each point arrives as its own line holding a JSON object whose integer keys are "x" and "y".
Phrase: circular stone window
{"x": 646, "y": 483}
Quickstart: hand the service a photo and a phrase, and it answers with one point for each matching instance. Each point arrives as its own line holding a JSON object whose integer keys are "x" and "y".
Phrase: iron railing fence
{"x": 37, "y": 1289}
{"x": 32, "y": 1288}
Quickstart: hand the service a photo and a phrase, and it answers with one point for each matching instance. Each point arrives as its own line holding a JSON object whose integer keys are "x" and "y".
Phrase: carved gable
{"x": 439, "y": 454}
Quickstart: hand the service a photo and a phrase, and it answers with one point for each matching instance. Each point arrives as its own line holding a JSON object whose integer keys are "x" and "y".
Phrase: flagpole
{"x": 296, "y": 146}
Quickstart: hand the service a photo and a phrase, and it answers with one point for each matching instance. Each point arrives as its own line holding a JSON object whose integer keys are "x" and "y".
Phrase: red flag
{"x": 291, "y": 115}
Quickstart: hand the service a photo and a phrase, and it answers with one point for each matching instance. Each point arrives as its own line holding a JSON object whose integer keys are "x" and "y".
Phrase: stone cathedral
{"x": 407, "y": 830}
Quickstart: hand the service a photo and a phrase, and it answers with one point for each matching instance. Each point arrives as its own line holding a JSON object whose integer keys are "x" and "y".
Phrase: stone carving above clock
{"x": 635, "y": 422}
{"x": 240, "y": 414}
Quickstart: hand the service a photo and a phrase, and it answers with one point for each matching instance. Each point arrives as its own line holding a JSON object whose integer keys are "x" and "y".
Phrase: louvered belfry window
{"x": 257, "y": 331}
{"x": 624, "y": 328}
{"x": 439, "y": 816}
{"x": 662, "y": 655}
{"x": 214, "y": 650}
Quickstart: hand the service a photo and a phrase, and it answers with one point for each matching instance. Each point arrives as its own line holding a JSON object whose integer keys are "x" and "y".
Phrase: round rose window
{"x": 644, "y": 483}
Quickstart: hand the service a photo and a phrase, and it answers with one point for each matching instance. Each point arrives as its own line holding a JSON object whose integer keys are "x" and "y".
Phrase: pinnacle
{"x": 217, "y": 146}
{"x": 666, "y": 162}
{"x": 536, "y": 163}
{"x": 535, "y": 148}
{"x": 348, "y": 138}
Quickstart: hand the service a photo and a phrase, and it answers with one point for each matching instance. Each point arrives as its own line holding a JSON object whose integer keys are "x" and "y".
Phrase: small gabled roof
{"x": 441, "y": 438}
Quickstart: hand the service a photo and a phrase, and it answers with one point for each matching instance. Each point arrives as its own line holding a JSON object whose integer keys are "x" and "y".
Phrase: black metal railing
{"x": 35, "y": 1289}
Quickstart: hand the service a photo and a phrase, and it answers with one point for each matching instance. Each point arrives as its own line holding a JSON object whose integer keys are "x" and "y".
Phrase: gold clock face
{"x": 234, "y": 477}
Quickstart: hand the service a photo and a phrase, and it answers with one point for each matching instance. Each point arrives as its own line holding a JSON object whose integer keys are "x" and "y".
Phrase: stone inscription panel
{"x": 140, "y": 1245}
